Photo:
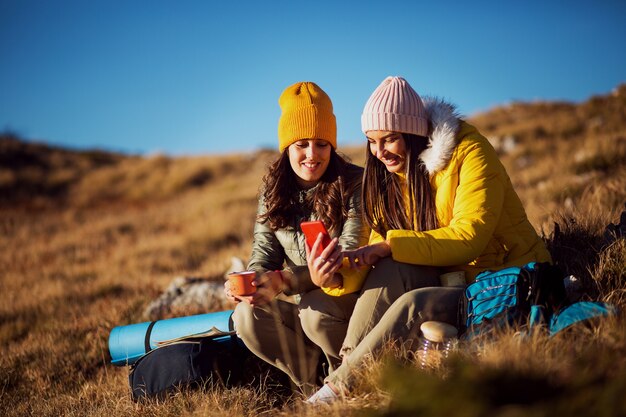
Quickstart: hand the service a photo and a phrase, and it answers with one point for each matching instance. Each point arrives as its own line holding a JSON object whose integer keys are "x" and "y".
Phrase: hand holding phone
{"x": 311, "y": 230}
{"x": 326, "y": 260}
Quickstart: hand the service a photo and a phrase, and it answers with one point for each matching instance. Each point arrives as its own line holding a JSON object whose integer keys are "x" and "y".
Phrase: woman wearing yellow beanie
{"x": 301, "y": 310}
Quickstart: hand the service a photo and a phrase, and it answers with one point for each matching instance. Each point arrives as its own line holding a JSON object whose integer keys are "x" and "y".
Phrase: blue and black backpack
{"x": 528, "y": 296}
{"x": 167, "y": 355}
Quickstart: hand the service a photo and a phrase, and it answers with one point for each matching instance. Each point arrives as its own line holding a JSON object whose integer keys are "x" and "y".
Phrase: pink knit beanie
{"x": 396, "y": 107}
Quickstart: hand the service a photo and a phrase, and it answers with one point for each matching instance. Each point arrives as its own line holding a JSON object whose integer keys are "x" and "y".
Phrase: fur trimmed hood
{"x": 443, "y": 125}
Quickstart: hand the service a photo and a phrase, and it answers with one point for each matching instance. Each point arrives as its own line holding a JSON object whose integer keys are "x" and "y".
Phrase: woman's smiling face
{"x": 309, "y": 159}
{"x": 389, "y": 148}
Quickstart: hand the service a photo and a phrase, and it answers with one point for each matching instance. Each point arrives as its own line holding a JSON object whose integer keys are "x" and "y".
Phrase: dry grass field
{"x": 88, "y": 238}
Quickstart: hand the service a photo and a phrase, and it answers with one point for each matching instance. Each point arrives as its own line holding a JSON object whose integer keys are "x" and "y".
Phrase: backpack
{"x": 187, "y": 363}
{"x": 187, "y": 352}
{"x": 528, "y": 296}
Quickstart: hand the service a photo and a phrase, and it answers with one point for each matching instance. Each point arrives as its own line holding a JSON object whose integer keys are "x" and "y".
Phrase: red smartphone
{"x": 311, "y": 230}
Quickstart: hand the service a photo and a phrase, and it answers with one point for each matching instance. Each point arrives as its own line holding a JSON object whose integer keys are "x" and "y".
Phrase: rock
{"x": 509, "y": 143}
{"x": 192, "y": 293}
{"x": 236, "y": 264}
{"x": 503, "y": 145}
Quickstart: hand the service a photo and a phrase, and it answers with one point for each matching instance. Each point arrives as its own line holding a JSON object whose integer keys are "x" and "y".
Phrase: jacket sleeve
{"x": 353, "y": 235}
{"x": 477, "y": 207}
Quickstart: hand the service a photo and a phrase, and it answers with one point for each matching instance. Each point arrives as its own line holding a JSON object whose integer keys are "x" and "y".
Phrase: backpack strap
{"x": 146, "y": 341}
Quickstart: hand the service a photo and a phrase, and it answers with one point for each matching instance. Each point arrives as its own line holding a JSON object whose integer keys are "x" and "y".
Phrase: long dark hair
{"x": 382, "y": 197}
{"x": 329, "y": 201}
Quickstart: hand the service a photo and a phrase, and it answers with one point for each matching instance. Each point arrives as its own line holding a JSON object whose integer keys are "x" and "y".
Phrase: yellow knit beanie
{"x": 307, "y": 113}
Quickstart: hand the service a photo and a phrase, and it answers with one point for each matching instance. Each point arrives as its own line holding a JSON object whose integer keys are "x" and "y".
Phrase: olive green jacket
{"x": 285, "y": 248}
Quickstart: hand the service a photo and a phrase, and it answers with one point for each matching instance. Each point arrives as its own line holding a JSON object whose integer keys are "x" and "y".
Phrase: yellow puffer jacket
{"x": 482, "y": 222}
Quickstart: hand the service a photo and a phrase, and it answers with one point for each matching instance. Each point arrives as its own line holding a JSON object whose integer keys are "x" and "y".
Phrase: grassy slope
{"x": 88, "y": 238}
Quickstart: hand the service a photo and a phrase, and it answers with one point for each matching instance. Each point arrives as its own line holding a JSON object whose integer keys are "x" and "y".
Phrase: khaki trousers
{"x": 292, "y": 337}
{"x": 401, "y": 323}
{"x": 385, "y": 283}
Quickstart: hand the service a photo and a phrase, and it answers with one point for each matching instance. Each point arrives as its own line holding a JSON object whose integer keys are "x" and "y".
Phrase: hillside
{"x": 88, "y": 238}
{"x": 559, "y": 154}
{"x": 585, "y": 144}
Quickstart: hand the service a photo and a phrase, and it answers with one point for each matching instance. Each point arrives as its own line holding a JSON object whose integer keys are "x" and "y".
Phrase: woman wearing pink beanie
{"x": 436, "y": 197}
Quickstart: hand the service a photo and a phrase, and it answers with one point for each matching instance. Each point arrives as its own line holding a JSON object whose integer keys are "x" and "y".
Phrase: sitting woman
{"x": 300, "y": 310}
{"x": 435, "y": 194}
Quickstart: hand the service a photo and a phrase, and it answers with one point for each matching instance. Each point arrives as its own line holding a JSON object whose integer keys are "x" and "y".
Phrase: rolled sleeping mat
{"x": 129, "y": 343}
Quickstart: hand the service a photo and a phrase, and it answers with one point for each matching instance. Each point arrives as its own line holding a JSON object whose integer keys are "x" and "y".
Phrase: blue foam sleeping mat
{"x": 130, "y": 342}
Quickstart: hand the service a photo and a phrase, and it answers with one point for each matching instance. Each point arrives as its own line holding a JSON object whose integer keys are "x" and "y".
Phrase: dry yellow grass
{"x": 87, "y": 239}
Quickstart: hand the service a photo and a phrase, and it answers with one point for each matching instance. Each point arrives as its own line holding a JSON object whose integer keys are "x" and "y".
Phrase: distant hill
{"x": 39, "y": 175}
{"x": 560, "y": 155}
{"x": 541, "y": 143}
{"x": 557, "y": 120}
{"x": 31, "y": 171}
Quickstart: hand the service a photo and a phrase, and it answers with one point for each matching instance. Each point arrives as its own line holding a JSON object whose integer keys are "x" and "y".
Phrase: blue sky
{"x": 203, "y": 77}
